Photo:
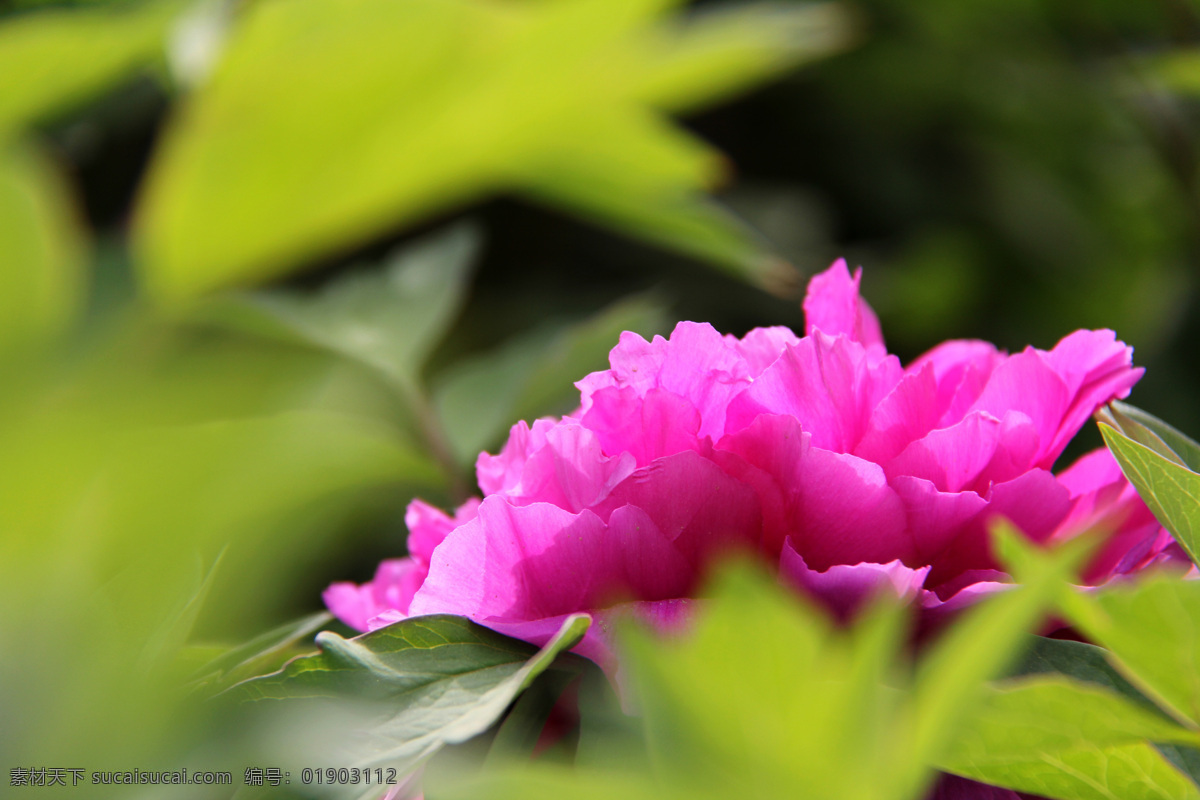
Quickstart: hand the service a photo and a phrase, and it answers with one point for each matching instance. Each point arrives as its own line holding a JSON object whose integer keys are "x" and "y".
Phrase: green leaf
{"x": 262, "y": 654}
{"x": 54, "y": 58}
{"x": 1061, "y": 738}
{"x": 531, "y": 376}
{"x": 439, "y": 103}
{"x": 1084, "y": 662}
{"x": 1152, "y": 432}
{"x": 1172, "y": 491}
{"x": 387, "y": 319}
{"x": 41, "y": 251}
{"x": 1152, "y": 630}
{"x": 430, "y": 681}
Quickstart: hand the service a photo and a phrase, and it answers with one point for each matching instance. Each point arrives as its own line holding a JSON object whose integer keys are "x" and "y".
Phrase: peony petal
{"x": 951, "y": 458}
{"x": 962, "y": 368}
{"x": 696, "y": 505}
{"x": 760, "y": 347}
{"x": 909, "y": 412}
{"x": 848, "y": 513}
{"x": 833, "y": 306}
{"x": 1024, "y": 383}
{"x": 845, "y": 588}
{"x": 826, "y": 384}
{"x": 543, "y": 561}
{"x": 934, "y": 517}
{"x": 1096, "y": 369}
{"x": 570, "y": 469}
{"x": 658, "y": 424}
{"x": 396, "y": 581}
{"x": 429, "y": 526}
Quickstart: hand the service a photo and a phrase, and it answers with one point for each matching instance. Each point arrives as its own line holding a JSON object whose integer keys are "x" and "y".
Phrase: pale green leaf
{"x": 435, "y": 104}
{"x": 41, "y": 250}
{"x": 1171, "y": 490}
{"x": 1060, "y": 738}
{"x": 1152, "y": 630}
{"x": 54, "y": 58}
{"x": 387, "y": 319}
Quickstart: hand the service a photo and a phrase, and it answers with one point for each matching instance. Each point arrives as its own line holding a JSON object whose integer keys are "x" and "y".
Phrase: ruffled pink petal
{"x": 827, "y": 384}
{"x": 833, "y": 306}
{"x": 909, "y": 412}
{"x": 396, "y": 581}
{"x": 647, "y": 427}
{"x": 696, "y": 364}
{"x": 761, "y": 346}
{"x": 935, "y": 518}
{"x": 767, "y": 457}
{"x": 428, "y": 526}
{"x": 697, "y": 506}
{"x": 845, "y": 588}
{"x": 1096, "y": 368}
{"x": 961, "y": 368}
{"x": 1024, "y": 383}
{"x": 1035, "y": 503}
{"x": 848, "y": 513}
{"x": 951, "y": 458}
{"x": 570, "y": 469}
{"x": 536, "y": 561}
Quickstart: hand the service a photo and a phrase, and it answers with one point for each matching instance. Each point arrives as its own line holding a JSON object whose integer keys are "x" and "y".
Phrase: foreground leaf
{"x": 51, "y": 59}
{"x": 1152, "y": 630}
{"x": 430, "y": 681}
{"x": 1060, "y": 738}
{"x": 1152, "y": 432}
{"x": 1171, "y": 490}
{"x": 41, "y": 250}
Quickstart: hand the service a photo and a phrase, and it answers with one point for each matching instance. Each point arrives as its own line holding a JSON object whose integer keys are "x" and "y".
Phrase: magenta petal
{"x": 428, "y": 526}
{"x": 767, "y": 456}
{"x": 570, "y": 469}
{"x": 962, "y": 368}
{"x": 833, "y": 306}
{"x": 827, "y": 384}
{"x": 951, "y": 458}
{"x": 695, "y": 504}
{"x": 1096, "y": 368}
{"x": 934, "y": 517}
{"x": 844, "y": 588}
{"x": 535, "y": 561}
{"x": 396, "y": 581}
{"x": 1035, "y": 503}
{"x": 907, "y": 413}
{"x": 848, "y": 513}
{"x": 1024, "y": 383}
{"x": 762, "y": 346}
{"x": 658, "y": 424}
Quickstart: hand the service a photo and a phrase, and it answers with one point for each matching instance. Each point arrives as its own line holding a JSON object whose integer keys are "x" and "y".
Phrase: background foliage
{"x": 268, "y": 268}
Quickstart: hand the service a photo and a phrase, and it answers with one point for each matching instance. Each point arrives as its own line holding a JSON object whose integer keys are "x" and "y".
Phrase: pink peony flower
{"x": 823, "y": 454}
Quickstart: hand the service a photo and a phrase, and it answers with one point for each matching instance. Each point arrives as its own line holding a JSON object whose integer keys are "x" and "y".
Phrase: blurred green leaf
{"x": 1152, "y": 630}
{"x": 1084, "y": 662}
{"x": 1056, "y": 737}
{"x": 430, "y": 681}
{"x": 387, "y": 319}
{"x": 1179, "y": 70}
{"x": 42, "y": 250}
{"x": 258, "y": 656}
{"x": 531, "y": 376}
{"x": 53, "y": 58}
{"x": 438, "y": 102}
{"x": 1171, "y": 490}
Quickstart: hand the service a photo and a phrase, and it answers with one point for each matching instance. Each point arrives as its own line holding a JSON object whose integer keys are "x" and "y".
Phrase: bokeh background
{"x": 269, "y": 269}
